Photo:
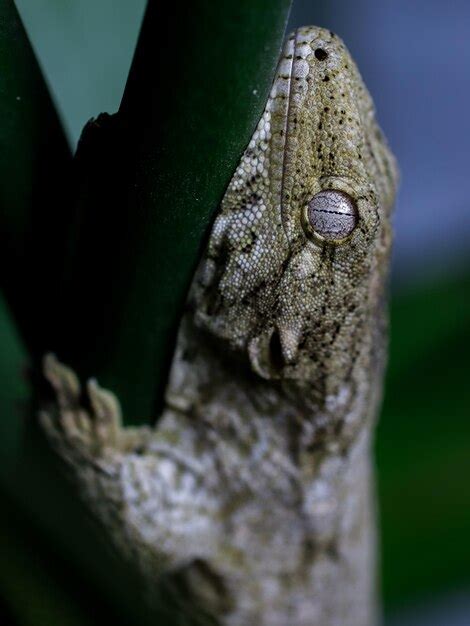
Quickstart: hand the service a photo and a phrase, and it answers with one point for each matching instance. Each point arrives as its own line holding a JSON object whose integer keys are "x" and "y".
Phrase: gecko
{"x": 255, "y": 486}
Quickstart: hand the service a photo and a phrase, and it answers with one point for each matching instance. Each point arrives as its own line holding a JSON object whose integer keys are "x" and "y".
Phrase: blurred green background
{"x": 85, "y": 49}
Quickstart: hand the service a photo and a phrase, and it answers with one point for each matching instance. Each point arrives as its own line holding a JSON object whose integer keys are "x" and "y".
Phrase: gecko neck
{"x": 279, "y": 480}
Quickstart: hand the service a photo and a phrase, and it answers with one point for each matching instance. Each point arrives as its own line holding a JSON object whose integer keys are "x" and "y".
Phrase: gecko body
{"x": 254, "y": 487}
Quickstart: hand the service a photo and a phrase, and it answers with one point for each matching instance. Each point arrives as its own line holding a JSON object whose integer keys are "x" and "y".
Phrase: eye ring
{"x": 331, "y": 216}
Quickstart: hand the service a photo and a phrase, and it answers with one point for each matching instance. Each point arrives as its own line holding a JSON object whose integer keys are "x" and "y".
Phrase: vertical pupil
{"x": 332, "y": 214}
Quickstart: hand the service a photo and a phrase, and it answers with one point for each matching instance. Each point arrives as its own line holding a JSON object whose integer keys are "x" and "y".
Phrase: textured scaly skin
{"x": 255, "y": 485}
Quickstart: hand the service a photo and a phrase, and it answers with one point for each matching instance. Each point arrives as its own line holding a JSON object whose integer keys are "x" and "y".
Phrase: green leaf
{"x": 28, "y": 589}
{"x": 423, "y": 453}
{"x": 34, "y": 485}
{"x": 109, "y": 293}
{"x": 34, "y": 183}
{"x": 153, "y": 177}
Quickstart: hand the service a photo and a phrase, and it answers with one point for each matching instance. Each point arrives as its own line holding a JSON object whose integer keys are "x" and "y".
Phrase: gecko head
{"x": 297, "y": 260}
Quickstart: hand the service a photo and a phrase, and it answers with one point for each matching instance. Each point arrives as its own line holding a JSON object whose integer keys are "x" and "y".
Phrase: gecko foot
{"x": 87, "y": 426}
{"x": 72, "y": 428}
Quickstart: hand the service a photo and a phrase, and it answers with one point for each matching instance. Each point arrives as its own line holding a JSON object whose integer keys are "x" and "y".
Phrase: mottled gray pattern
{"x": 254, "y": 487}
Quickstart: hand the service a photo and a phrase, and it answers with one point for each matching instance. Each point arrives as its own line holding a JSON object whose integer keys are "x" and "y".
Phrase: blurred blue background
{"x": 415, "y": 60}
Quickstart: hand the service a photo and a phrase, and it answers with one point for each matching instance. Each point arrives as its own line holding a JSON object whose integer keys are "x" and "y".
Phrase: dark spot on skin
{"x": 326, "y": 79}
{"x": 321, "y": 54}
{"x": 214, "y": 302}
{"x": 186, "y": 355}
{"x": 199, "y": 573}
{"x": 338, "y": 428}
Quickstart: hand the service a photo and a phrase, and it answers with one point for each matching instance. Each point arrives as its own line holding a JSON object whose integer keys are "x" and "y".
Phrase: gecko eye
{"x": 331, "y": 215}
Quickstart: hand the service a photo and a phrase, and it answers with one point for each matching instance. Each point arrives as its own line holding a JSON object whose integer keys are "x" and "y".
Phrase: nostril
{"x": 276, "y": 356}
